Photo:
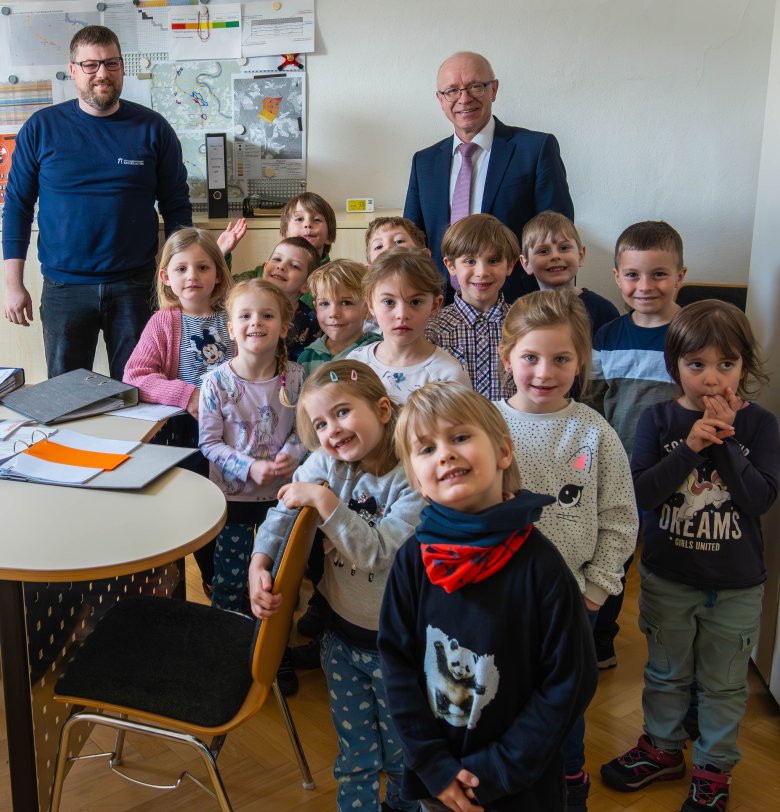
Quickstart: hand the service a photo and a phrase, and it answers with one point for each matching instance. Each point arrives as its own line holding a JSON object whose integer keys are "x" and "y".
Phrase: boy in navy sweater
{"x": 486, "y": 652}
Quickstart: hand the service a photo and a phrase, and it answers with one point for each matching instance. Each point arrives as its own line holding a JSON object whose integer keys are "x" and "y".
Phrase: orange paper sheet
{"x": 62, "y": 454}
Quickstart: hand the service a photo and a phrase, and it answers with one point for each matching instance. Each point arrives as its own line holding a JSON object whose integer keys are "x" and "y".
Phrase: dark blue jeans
{"x": 573, "y": 748}
{"x": 73, "y": 316}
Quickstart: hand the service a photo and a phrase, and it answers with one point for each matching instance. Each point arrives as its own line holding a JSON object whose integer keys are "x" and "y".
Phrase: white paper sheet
{"x": 86, "y": 442}
{"x": 149, "y": 411}
{"x": 266, "y": 31}
{"x": 23, "y": 466}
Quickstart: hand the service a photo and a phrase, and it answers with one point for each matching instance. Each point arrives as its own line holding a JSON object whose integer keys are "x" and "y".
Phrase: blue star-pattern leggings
{"x": 368, "y": 743}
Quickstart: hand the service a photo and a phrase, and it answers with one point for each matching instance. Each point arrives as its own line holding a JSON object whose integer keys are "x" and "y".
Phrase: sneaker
{"x": 607, "y": 662}
{"x": 312, "y": 622}
{"x": 642, "y": 765}
{"x": 307, "y": 656}
{"x": 286, "y": 676}
{"x": 709, "y": 790}
{"x": 577, "y": 789}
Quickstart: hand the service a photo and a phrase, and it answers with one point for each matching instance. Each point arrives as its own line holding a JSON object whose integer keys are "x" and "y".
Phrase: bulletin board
{"x": 218, "y": 66}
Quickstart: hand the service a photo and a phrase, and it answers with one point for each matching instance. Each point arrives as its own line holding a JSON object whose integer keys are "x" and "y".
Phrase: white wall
{"x": 658, "y": 107}
{"x": 763, "y": 307}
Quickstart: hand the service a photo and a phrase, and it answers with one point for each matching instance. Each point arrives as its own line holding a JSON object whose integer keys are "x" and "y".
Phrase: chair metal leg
{"x": 62, "y": 760}
{"x": 303, "y": 765}
{"x": 119, "y": 745}
{"x": 122, "y": 725}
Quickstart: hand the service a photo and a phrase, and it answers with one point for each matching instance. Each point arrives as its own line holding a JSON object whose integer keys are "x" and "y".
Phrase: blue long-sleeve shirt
{"x": 96, "y": 179}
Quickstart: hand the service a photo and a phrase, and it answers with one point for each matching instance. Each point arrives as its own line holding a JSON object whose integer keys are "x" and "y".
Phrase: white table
{"x": 54, "y": 534}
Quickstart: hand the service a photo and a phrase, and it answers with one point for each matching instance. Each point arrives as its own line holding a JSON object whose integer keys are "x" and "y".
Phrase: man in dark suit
{"x": 515, "y": 173}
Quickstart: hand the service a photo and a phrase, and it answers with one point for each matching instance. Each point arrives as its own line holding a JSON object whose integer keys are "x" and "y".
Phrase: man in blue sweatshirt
{"x": 96, "y": 165}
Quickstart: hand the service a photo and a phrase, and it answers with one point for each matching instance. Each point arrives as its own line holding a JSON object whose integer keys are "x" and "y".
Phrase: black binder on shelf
{"x": 216, "y": 175}
{"x": 76, "y": 394}
{"x": 10, "y": 378}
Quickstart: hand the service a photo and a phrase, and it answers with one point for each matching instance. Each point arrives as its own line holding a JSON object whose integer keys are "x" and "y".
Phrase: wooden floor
{"x": 260, "y": 772}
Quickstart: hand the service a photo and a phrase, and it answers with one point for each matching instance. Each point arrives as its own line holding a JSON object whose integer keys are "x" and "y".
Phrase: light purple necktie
{"x": 461, "y": 196}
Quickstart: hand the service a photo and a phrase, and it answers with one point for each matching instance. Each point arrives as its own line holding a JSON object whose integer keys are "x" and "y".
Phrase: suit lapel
{"x": 500, "y": 156}
{"x": 440, "y": 179}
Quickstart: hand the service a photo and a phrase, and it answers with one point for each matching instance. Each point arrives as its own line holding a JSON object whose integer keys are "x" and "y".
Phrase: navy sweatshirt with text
{"x": 97, "y": 179}
{"x": 702, "y": 512}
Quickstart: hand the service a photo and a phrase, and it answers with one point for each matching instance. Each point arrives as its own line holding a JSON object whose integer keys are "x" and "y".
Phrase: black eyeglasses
{"x": 476, "y": 90}
{"x": 90, "y": 66}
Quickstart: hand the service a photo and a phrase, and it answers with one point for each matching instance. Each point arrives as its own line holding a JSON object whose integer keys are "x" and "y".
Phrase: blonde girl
{"x": 705, "y": 468}
{"x": 185, "y": 338}
{"x": 247, "y": 427}
{"x": 569, "y": 451}
{"x": 403, "y": 290}
{"x": 188, "y": 334}
{"x": 367, "y": 511}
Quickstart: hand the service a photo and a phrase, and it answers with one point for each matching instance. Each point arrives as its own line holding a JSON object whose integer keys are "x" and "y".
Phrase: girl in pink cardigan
{"x": 186, "y": 338}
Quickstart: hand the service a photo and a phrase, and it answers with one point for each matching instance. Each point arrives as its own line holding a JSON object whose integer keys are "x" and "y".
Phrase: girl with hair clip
{"x": 568, "y": 450}
{"x": 705, "y": 469}
{"x": 367, "y": 511}
{"x": 185, "y": 338}
{"x": 247, "y": 428}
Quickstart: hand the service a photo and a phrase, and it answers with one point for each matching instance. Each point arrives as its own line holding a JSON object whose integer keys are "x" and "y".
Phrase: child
{"x": 367, "y": 511}
{"x": 185, "y": 338}
{"x": 189, "y": 332}
{"x": 403, "y": 290}
{"x": 309, "y": 217}
{"x": 247, "y": 427}
{"x": 484, "y": 643}
{"x": 480, "y": 253}
{"x": 288, "y": 268}
{"x": 705, "y": 469}
{"x": 337, "y": 290}
{"x": 628, "y": 365}
{"x": 570, "y": 451}
{"x": 387, "y": 232}
{"x": 553, "y": 253}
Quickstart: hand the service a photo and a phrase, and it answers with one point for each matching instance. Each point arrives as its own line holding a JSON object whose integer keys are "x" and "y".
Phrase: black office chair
{"x": 187, "y": 672}
{"x": 690, "y": 292}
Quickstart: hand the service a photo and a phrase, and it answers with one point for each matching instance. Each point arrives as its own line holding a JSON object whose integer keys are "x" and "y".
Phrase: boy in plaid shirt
{"x": 479, "y": 253}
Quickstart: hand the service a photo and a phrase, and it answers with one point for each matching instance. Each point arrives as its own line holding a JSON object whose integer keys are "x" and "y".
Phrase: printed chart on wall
{"x": 221, "y": 66}
{"x": 270, "y": 127}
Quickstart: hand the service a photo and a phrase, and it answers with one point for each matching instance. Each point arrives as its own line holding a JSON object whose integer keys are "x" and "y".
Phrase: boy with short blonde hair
{"x": 480, "y": 701}
{"x": 388, "y": 232}
{"x": 337, "y": 291}
{"x": 553, "y": 254}
{"x": 480, "y": 253}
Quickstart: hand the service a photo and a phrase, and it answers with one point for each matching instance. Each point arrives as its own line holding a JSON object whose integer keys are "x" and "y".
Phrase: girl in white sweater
{"x": 569, "y": 451}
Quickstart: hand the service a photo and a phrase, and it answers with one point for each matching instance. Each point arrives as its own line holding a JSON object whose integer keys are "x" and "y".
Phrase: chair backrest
{"x": 272, "y": 634}
{"x": 690, "y": 292}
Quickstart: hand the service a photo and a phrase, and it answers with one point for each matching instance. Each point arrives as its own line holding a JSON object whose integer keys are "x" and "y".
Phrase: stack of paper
{"x": 70, "y": 459}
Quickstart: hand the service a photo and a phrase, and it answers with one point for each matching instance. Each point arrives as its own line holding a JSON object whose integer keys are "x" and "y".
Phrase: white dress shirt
{"x": 479, "y": 164}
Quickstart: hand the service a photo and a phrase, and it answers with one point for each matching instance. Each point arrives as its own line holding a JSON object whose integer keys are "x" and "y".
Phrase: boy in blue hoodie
{"x": 486, "y": 652}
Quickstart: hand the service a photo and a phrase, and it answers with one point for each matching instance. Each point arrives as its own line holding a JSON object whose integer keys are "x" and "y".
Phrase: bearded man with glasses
{"x": 509, "y": 172}
{"x": 96, "y": 165}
